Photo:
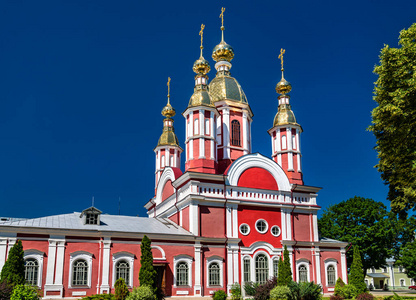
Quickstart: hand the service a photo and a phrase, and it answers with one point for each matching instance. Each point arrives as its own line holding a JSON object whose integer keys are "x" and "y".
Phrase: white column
{"x": 235, "y": 263}
{"x": 193, "y": 219}
{"x": 289, "y": 138}
{"x": 290, "y": 249}
{"x": 289, "y": 225}
{"x": 60, "y": 256}
{"x": 167, "y": 156}
{"x": 175, "y": 158}
{"x": 235, "y": 222}
{"x": 201, "y": 147}
{"x": 315, "y": 227}
{"x": 230, "y": 268}
{"x": 318, "y": 266}
{"x": 212, "y": 150}
{"x": 290, "y": 161}
{"x": 245, "y": 133}
{"x": 226, "y": 132}
{"x": 297, "y": 139}
{"x": 212, "y": 124}
{"x": 105, "y": 286}
{"x": 50, "y": 268}
{"x": 198, "y": 268}
{"x": 191, "y": 124}
{"x": 284, "y": 229}
{"x": 191, "y": 149}
{"x": 343, "y": 266}
{"x": 229, "y": 221}
{"x": 3, "y": 248}
{"x": 201, "y": 122}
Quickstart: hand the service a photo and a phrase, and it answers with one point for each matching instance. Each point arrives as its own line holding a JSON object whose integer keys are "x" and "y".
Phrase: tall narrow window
{"x": 275, "y": 267}
{"x": 303, "y": 273}
{"x": 331, "y": 275}
{"x": 196, "y": 127}
{"x": 80, "y": 273}
{"x": 163, "y": 161}
{"x": 284, "y": 145}
{"x": 31, "y": 271}
{"x": 293, "y": 141}
{"x": 207, "y": 126}
{"x": 182, "y": 274}
{"x": 262, "y": 269}
{"x": 235, "y": 133}
{"x": 123, "y": 271}
{"x": 247, "y": 271}
{"x": 214, "y": 274}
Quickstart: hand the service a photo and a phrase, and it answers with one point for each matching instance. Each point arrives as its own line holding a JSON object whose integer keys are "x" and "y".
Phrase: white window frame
{"x": 275, "y": 259}
{"x": 267, "y": 226}
{"x": 207, "y": 131}
{"x": 219, "y": 261}
{"x": 73, "y": 257}
{"x": 129, "y": 258}
{"x": 250, "y": 260}
{"x": 334, "y": 263}
{"x": 188, "y": 260}
{"x": 402, "y": 282}
{"x": 244, "y": 224}
{"x": 284, "y": 142}
{"x": 269, "y": 265}
{"x": 38, "y": 255}
{"x": 196, "y": 126}
{"x": 271, "y": 231}
{"x": 306, "y": 263}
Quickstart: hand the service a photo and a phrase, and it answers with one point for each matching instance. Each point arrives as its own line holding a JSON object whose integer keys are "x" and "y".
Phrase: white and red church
{"x": 224, "y": 219}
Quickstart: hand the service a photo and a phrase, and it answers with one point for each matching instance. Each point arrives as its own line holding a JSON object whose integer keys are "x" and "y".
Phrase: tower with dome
{"x": 224, "y": 218}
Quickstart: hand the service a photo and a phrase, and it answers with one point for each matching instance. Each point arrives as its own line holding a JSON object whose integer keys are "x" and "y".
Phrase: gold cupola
{"x": 201, "y": 67}
{"x": 168, "y": 137}
{"x": 284, "y": 114}
{"x": 223, "y": 86}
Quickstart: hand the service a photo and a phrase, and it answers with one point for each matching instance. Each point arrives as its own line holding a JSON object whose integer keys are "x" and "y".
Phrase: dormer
{"x": 91, "y": 216}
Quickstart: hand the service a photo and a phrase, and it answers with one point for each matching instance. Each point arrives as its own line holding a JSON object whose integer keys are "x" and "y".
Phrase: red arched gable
{"x": 167, "y": 190}
{"x": 257, "y": 178}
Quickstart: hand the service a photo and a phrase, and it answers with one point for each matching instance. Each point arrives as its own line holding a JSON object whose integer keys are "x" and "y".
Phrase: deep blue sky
{"x": 82, "y": 84}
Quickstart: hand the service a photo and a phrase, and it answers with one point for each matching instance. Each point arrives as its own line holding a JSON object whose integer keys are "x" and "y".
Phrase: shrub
{"x": 5, "y": 290}
{"x": 365, "y": 296}
{"x": 338, "y": 285}
{"x": 304, "y": 291}
{"x": 219, "y": 295}
{"x": 250, "y": 288}
{"x": 235, "y": 291}
{"x": 263, "y": 291}
{"x": 100, "y": 297}
{"x": 14, "y": 268}
{"x": 348, "y": 291}
{"x": 336, "y": 297}
{"x": 356, "y": 277}
{"x": 26, "y": 292}
{"x": 280, "y": 292}
{"x": 143, "y": 292}
{"x": 121, "y": 290}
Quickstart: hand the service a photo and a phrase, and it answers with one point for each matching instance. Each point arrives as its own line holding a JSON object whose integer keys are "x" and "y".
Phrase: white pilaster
{"x": 3, "y": 249}
{"x": 191, "y": 124}
{"x": 290, "y": 161}
{"x": 315, "y": 227}
{"x": 289, "y": 138}
{"x": 226, "y": 132}
{"x": 175, "y": 158}
{"x": 212, "y": 124}
{"x": 201, "y": 147}
{"x": 235, "y": 222}
{"x": 230, "y": 268}
{"x": 12, "y": 241}
{"x": 201, "y": 122}
{"x": 245, "y": 133}
{"x": 283, "y": 225}
{"x": 50, "y": 268}
{"x": 289, "y": 225}
{"x": 167, "y": 157}
{"x": 279, "y": 159}
{"x": 229, "y": 221}
{"x": 278, "y": 140}
{"x": 105, "y": 286}
{"x": 198, "y": 287}
{"x": 212, "y": 150}
{"x": 318, "y": 265}
{"x": 344, "y": 266}
{"x": 193, "y": 219}
{"x": 60, "y": 257}
{"x": 235, "y": 263}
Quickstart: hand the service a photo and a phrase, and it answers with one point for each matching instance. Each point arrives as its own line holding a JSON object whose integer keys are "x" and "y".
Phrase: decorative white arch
{"x": 161, "y": 251}
{"x": 38, "y": 255}
{"x": 129, "y": 258}
{"x": 167, "y": 175}
{"x": 303, "y": 262}
{"x": 261, "y": 245}
{"x": 257, "y": 160}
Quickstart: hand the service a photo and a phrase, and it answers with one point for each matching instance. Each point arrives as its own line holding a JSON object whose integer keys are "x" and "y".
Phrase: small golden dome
{"x": 201, "y": 66}
{"x": 283, "y": 86}
{"x": 168, "y": 111}
{"x": 200, "y": 97}
{"x": 284, "y": 116}
{"x": 168, "y": 137}
{"x": 226, "y": 88}
{"x": 223, "y": 51}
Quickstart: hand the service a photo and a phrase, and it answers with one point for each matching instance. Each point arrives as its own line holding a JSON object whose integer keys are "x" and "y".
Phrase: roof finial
{"x": 201, "y": 33}
{"x": 222, "y": 23}
{"x": 282, "y": 51}
{"x": 168, "y": 90}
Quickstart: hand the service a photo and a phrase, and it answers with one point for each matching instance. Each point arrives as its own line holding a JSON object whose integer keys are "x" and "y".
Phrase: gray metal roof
{"x": 377, "y": 275}
{"x": 328, "y": 240}
{"x": 109, "y": 223}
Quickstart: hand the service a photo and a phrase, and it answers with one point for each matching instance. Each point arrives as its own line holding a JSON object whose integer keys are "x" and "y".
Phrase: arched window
{"x": 303, "y": 273}
{"x": 214, "y": 274}
{"x": 182, "y": 274}
{"x": 331, "y": 275}
{"x": 235, "y": 133}
{"x": 275, "y": 267}
{"x": 80, "y": 273}
{"x": 247, "y": 270}
{"x": 123, "y": 271}
{"x": 262, "y": 269}
{"x": 31, "y": 271}
{"x": 401, "y": 282}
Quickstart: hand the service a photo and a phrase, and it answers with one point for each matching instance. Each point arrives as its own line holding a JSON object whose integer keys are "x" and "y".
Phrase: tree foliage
{"x": 147, "y": 273}
{"x": 408, "y": 259}
{"x": 356, "y": 277}
{"x": 394, "y": 120}
{"x": 121, "y": 290}
{"x": 363, "y": 222}
{"x": 284, "y": 271}
{"x": 13, "y": 270}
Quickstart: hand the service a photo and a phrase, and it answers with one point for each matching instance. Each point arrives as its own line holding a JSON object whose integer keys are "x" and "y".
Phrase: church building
{"x": 225, "y": 218}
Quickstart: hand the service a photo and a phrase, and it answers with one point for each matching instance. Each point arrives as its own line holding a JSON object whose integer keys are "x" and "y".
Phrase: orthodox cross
{"x": 222, "y": 17}
{"x": 201, "y": 33}
{"x": 168, "y": 89}
{"x": 282, "y": 51}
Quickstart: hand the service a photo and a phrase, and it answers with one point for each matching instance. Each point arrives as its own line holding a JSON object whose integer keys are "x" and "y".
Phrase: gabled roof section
{"x": 91, "y": 210}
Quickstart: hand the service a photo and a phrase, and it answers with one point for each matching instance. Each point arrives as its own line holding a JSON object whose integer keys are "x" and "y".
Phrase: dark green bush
{"x": 121, "y": 290}
{"x": 250, "y": 288}
{"x": 365, "y": 296}
{"x": 263, "y": 290}
{"x": 304, "y": 291}
{"x": 336, "y": 297}
{"x": 100, "y": 297}
{"x": 14, "y": 268}
{"x": 235, "y": 291}
{"x": 348, "y": 291}
{"x": 219, "y": 295}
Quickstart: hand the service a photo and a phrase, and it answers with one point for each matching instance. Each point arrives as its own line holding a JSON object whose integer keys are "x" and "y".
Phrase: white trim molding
{"x": 257, "y": 160}
{"x": 188, "y": 260}
{"x": 161, "y": 251}
{"x": 75, "y": 256}
{"x": 219, "y": 260}
{"x": 38, "y": 256}
{"x": 303, "y": 262}
{"x": 167, "y": 175}
{"x": 129, "y": 258}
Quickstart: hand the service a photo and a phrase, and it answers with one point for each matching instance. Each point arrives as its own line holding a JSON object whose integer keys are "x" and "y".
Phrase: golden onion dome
{"x": 226, "y": 88}
{"x": 200, "y": 97}
{"x": 284, "y": 116}
{"x": 201, "y": 66}
{"x": 223, "y": 51}
{"x": 168, "y": 111}
{"x": 168, "y": 137}
{"x": 283, "y": 86}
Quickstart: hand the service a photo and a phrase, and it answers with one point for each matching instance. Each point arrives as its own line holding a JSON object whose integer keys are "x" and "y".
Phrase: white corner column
{"x": 198, "y": 286}
{"x": 230, "y": 268}
{"x": 226, "y": 132}
{"x": 245, "y": 133}
{"x": 105, "y": 286}
{"x": 317, "y": 255}
{"x": 344, "y": 265}
{"x": 55, "y": 267}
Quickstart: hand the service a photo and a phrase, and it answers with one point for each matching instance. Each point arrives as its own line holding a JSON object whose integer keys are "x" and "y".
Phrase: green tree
{"x": 147, "y": 273}
{"x": 394, "y": 120}
{"x": 362, "y": 222}
{"x": 408, "y": 259}
{"x": 121, "y": 290}
{"x": 356, "y": 277}
{"x": 13, "y": 270}
{"x": 284, "y": 271}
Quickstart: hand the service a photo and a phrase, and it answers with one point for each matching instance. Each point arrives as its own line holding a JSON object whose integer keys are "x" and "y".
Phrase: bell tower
{"x": 285, "y": 133}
